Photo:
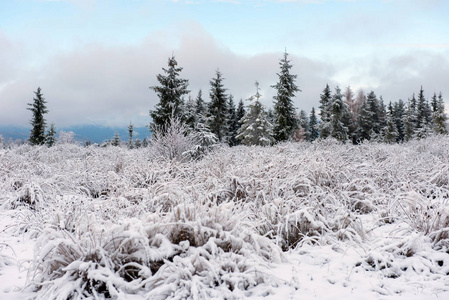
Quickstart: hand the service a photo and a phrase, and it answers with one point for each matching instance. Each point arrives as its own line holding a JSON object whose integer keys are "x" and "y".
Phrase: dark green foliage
{"x": 313, "y": 126}
{"x": 39, "y": 109}
{"x": 233, "y": 122}
{"x": 200, "y": 107}
{"x": 423, "y": 111}
{"x": 51, "y": 139}
{"x": 130, "y": 134}
{"x": 285, "y": 116}
{"x": 170, "y": 92}
{"x": 116, "y": 140}
{"x": 439, "y": 117}
{"x": 217, "y": 114}
{"x": 304, "y": 124}
{"x": 398, "y": 115}
{"x": 339, "y": 113}
{"x": 325, "y": 102}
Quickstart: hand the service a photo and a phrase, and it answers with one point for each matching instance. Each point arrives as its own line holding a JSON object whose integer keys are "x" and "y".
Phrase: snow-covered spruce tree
{"x": 233, "y": 122}
{"x": 285, "y": 115}
{"x": 190, "y": 116}
{"x": 170, "y": 91}
{"x": 240, "y": 111}
{"x": 51, "y": 136}
{"x": 339, "y": 112}
{"x": 325, "y": 116}
{"x": 130, "y": 135}
{"x": 409, "y": 122}
{"x": 313, "y": 126}
{"x": 304, "y": 123}
{"x": 200, "y": 107}
{"x": 423, "y": 111}
{"x": 353, "y": 110}
{"x": 116, "y": 140}
{"x": 204, "y": 141}
{"x": 39, "y": 109}
{"x": 439, "y": 117}
{"x": 390, "y": 132}
{"x": 255, "y": 129}
{"x": 398, "y": 115}
{"x": 217, "y": 112}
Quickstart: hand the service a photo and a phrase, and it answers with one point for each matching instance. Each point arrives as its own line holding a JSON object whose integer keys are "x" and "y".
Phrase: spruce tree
{"x": 398, "y": 116}
{"x": 304, "y": 123}
{"x": 130, "y": 134}
{"x": 50, "y": 138}
{"x": 116, "y": 140}
{"x": 190, "y": 116}
{"x": 409, "y": 122}
{"x": 255, "y": 130}
{"x": 285, "y": 116}
{"x": 439, "y": 117}
{"x": 240, "y": 111}
{"x": 423, "y": 112}
{"x": 39, "y": 109}
{"x": 390, "y": 131}
{"x": 232, "y": 122}
{"x": 200, "y": 107}
{"x": 217, "y": 114}
{"x": 325, "y": 103}
{"x": 170, "y": 91}
{"x": 338, "y": 111}
{"x": 313, "y": 126}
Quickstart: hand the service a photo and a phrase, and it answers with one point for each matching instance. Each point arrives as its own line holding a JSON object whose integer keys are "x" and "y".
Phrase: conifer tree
{"x": 313, "y": 126}
{"x": 116, "y": 140}
{"x": 304, "y": 123}
{"x": 338, "y": 111}
{"x": 285, "y": 116}
{"x": 398, "y": 115}
{"x": 390, "y": 131}
{"x": 434, "y": 103}
{"x": 423, "y": 113}
{"x": 190, "y": 116}
{"x": 130, "y": 134}
{"x": 232, "y": 122}
{"x": 409, "y": 122}
{"x": 170, "y": 91}
{"x": 217, "y": 114}
{"x": 39, "y": 109}
{"x": 325, "y": 103}
{"x": 200, "y": 107}
{"x": 255, "y": 130}
{"x": 240, "y": 111}
{"x": 440, "y": 117}
{"x": 51, "y": 136}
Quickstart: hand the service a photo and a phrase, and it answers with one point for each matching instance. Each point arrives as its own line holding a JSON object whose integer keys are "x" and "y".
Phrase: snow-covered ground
{"x": 293, "y": 221}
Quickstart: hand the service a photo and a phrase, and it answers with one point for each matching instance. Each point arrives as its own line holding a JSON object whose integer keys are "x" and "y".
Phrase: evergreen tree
{"x": 353, "y": 111}
{"x": 398, "y": 116}
{"x": 439, "y": 117}
{"x": 304, "y": 124}
{"x": 200, "y": 107}
{"x": 217, "y": 114}
{"x": 39, "y": 108}
{"x": 285, "y": 116}
{"x": 190, "y": 116}
{"x": 116, "y": 140}
{"x": 137, "y": 143}
{"x": 365, "y": 122}
{"x": 325, "y": 104}
{"x": 338, "y": 110}
{"x": 255, "y": 130}
{"x": 51, "y": 136}
{"x": 313, "y": 126}
{"x": 409, "y": 122}
{"x": 130, "y": 134}
{"x": 434, "y": 103}
{"x": 390, "y": 131}
{"x": 170, "y": 92}
{"x": 423, "y": 112}
{"x": 233, "y": 123}
{"x": 145, "y": 143}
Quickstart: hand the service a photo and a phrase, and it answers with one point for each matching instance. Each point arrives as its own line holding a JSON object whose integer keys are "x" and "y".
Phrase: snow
{"x": 294, "y": 221}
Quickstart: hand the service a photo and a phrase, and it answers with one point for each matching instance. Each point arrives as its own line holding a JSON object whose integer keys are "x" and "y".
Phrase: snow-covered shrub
{"x": 172, "y": 141}
{"x": 187, "y": 253}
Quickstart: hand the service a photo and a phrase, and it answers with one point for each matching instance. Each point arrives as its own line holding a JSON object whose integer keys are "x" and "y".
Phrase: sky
{"x": 96, "y": 59}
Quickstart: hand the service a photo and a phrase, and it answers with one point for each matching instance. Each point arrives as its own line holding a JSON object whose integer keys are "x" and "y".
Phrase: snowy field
{"x": 293, "y": 221}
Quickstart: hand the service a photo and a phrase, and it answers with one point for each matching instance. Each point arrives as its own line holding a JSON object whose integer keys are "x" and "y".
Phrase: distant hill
{"x": 95, "y": 134}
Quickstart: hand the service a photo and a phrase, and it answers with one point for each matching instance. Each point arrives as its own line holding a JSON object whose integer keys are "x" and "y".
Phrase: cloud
{"x": 109, "y": 85}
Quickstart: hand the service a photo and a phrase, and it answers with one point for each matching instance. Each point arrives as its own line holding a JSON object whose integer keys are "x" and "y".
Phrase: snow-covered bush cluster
{"x": 113, "y": 221}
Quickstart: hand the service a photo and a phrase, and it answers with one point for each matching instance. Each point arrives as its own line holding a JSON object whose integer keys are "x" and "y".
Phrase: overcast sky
{"x": 96, "y": 59}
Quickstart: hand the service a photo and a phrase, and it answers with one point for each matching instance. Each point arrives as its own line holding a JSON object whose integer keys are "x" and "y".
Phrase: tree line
{"x": 342, "y": 115}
